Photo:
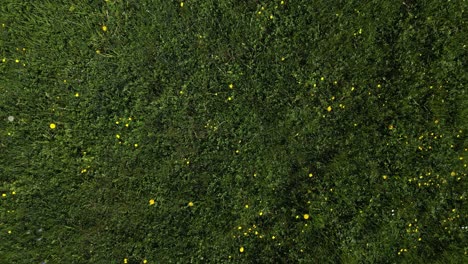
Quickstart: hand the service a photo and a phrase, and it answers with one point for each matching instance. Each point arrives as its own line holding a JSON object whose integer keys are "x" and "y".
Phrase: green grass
{"x": 257, "y": 113}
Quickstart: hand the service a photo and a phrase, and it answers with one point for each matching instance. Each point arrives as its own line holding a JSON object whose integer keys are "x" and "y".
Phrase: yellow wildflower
{"x": 190, "y": 204}
{"x": 52, "y": 126}
{"x": 306, "y": 216}
{"x": 241, "y": 249}
{"x": 151, "y": 202}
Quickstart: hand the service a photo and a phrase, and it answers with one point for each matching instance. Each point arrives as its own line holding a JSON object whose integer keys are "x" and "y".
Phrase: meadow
{"x": 224, "y": 131}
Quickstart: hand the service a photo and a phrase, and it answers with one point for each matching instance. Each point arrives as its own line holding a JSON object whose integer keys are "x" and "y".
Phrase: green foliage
{"x": 233, "y": 131}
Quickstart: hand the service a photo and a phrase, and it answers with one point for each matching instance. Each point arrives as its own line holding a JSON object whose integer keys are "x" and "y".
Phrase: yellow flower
{"x": 246, "y": 206}
{"x": 104, "y": 28}
{"x": 13, "y": 192}
{"x": 241, "y": 249}
{"x": 231, "y": 86}
{"x": 151, "y": 202}
{"x": 453, "y": 173}
{"x": 329, "y": 109}
{"x": 117, "y": 136}
{"x": 77, "y": 94}
{"x": 52, "y": 126}
{"x": 125, "y": 260}
{"x": 4, "y": 60}
{"x": 306, "y": 216}
{"x": 310, "y": 175}
{"x": 3, "y": 194}
{"x": 190, "y": 204}
{"x": 17, "y": 61}
{"x": 181, "y": 4}
{"x": 229, "y": 98}
{"x": 390, "y": 127}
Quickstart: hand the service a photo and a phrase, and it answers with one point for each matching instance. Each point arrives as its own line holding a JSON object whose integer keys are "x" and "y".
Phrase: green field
{"x": 233, "y": 131}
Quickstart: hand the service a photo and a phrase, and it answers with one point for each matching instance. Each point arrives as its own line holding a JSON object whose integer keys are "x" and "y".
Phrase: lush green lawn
{"x": 214, "y": 131}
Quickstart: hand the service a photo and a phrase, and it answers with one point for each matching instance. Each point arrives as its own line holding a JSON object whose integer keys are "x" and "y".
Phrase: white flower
{"x": 11, "y": 118}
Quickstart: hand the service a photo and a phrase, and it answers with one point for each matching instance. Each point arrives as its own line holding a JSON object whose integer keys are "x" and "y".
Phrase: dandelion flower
{"x": 329, "y": 109}
{"x": 77, "y": 95}
{"x": 231, "y": 86}
{"x": 241, "y": 249}
{"x": 104, "y": 28}
{"x": 151, "y": 202}
{"x": 52, "y": 126}
{"x": 306, "y": 216}
{"x": 3, "y": 194}
{"x": 190, "y": 204}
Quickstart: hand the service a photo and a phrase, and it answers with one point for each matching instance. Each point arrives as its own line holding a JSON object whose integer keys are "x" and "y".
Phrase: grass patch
{"x": 233, "y": 131}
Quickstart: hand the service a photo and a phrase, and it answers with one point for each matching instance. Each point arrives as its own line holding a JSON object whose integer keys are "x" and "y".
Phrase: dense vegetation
{"x": 214, "y": 131}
